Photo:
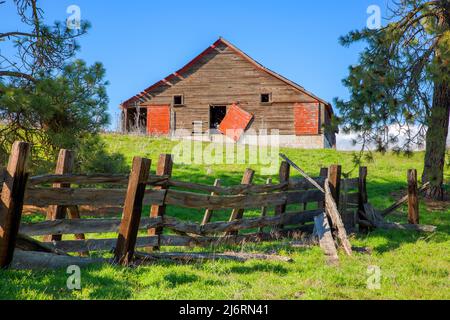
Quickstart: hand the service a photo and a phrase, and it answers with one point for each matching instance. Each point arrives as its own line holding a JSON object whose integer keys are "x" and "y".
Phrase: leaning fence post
{"x": 66, "y": 159}
{"x": 238, "y": 213}
{"x": 362, "y": 195}
{"x": 132, "y": 209}
{"x": 413, "y": 199}
{"x": 208, "y": 212}
{"x": 165, "y": 165}
{"x": 11, "y": 203}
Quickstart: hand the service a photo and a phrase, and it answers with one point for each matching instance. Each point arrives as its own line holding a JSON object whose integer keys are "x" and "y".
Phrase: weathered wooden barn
{"x": 224, "y": 90}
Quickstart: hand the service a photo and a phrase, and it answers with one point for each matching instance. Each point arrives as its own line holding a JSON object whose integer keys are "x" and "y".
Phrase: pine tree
{"x": 47, "y": 97}
{"x": 400, "y": 87}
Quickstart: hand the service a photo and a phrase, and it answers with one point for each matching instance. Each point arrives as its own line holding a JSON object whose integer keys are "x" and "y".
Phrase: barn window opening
{"x": 178, "y": 100}
{"x": 266, "y": 98}
{"x": 216, "y": 116}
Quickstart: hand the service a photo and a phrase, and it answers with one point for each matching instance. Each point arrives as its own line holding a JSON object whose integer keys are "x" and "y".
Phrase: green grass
{"x": 413, "y": 265}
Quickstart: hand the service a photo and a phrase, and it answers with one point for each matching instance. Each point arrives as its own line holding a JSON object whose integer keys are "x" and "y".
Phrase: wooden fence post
{"x": 264, "y": 209}
{"x": 413, "y": 199}
{"x": 323, "y": 174}
{"x": 238, "y": 213}
{"x": 2, "y": 176}
{"x": 362, "y": 188}
{"x": 362, "y": 195}
{"x": 165, "y": 165}
{"x": 11, "y": 201}
{"x": 334, "y": 176}
{"x": 284, "y": 175}
{"x": 208, "y": 212}
{"x": 64, "y": 165}
{"x": 348, "y": 218}
{"x": 132, "y": 210}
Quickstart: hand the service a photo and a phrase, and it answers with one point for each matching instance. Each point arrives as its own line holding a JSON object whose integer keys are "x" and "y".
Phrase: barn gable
{"x": 222, "y": 76}
{"x": 220, "y": 46}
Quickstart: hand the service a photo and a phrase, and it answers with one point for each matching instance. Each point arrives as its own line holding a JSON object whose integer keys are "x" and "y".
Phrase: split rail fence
{"x": 61, "y": 193}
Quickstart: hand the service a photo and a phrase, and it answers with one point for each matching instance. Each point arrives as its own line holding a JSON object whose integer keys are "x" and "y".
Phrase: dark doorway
{"x": 136, "y": 120}
{"x": 216, "y": 115}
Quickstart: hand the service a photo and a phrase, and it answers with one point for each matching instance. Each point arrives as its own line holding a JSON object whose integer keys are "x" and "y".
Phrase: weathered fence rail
{"x": 66, "y": 197}
{"x": 154, "y": 180}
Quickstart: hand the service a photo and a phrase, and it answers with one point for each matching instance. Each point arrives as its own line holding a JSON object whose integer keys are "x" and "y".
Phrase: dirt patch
{"x": 440, "y": 206}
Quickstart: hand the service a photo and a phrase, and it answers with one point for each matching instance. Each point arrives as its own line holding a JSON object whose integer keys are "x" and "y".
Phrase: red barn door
{"x": 158, "y": 120}
{"x": 306, "y": 118}
{"x": 235, "y": 122}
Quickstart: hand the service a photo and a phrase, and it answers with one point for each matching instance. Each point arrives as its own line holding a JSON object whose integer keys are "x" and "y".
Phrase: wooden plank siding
{"x": 223, "y": 77}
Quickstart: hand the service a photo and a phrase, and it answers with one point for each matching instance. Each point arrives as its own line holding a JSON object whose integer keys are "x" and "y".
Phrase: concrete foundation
{"x": 290, "y": 141}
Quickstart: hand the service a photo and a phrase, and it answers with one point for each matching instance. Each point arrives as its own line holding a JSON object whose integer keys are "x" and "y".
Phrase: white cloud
{"x": 345, "y": 141}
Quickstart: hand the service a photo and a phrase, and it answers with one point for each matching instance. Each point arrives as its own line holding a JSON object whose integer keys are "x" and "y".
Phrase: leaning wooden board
{"x": 326, "y": 241}
{"x": 235, "y": 122}
{"x": 333, "y": 213}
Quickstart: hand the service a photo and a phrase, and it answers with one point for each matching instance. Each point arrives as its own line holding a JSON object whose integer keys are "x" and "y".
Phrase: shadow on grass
{"x": 259, "y": 267}
{"x": 176, "y": 279}
{"x": 95, "y": 283}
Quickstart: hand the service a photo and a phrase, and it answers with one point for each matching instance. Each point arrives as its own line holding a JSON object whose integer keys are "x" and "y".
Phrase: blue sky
{"x": 140, "y": 42}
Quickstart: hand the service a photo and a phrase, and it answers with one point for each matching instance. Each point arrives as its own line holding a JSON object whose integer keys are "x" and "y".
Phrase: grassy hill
{"x": 413, "y": 265}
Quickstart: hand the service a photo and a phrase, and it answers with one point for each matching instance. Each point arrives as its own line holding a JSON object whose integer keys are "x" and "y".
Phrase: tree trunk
{"x": 436, "y": 140}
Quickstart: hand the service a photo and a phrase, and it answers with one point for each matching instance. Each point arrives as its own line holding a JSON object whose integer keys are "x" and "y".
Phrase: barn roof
{"x": 140, "y": 97}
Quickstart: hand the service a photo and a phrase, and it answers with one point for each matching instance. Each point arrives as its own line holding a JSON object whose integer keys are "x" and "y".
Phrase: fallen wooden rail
{"x": 400, "y": 226}
{"x": 41, "y": 260}
{"x": 402, "y": 201}
{"x": 374, "y": 219}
